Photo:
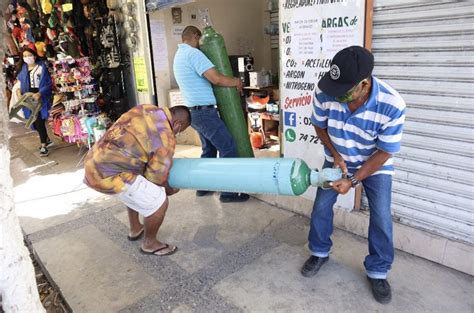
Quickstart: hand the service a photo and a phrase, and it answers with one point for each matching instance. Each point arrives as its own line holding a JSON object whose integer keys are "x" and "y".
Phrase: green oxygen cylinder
{"x": 228, "y": 100}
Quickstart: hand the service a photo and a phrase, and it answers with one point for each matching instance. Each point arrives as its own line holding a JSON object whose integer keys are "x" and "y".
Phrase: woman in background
{"x": 34, "y": 77}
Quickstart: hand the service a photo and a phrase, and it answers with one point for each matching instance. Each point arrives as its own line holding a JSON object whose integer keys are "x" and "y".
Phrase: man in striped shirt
{"x": 359, "y": 119}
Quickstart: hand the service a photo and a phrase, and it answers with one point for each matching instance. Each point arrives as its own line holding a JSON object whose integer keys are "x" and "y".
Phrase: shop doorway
{"x": 250, "y": 31}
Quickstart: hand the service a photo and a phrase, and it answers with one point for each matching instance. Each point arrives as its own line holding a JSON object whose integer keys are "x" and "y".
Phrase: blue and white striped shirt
{"x": 376, "y": 125}
{"x": 189, "y": 66}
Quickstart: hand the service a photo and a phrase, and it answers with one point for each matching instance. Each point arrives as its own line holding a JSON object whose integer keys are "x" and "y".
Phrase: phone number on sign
{"x": 308, "y": 138}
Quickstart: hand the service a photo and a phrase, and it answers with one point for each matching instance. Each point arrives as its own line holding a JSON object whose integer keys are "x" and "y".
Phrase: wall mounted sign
{"x": 141, "y": 78}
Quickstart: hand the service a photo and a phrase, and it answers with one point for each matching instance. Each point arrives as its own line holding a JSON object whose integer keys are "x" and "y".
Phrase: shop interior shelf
{"x": 270, "y": 116}
{"x": 259, "y": 88}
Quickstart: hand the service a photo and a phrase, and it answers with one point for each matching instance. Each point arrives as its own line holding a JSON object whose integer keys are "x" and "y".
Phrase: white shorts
{"x": 143, "y": 196}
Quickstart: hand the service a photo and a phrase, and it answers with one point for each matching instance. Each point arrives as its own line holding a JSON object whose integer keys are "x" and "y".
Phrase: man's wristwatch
{"x": 354, "y": 181}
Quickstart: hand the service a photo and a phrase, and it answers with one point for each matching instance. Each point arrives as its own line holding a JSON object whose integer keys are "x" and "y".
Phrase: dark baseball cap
{"x": 348, "y": 67}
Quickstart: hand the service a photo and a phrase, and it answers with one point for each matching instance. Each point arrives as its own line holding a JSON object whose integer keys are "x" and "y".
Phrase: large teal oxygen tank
{"x": 228, "y": 100}
{"x": 282, "y": 176}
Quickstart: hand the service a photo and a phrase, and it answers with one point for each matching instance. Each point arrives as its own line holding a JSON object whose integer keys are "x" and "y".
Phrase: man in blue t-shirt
{"x": 195, "y": 75}
{"x": 359, "y": 120}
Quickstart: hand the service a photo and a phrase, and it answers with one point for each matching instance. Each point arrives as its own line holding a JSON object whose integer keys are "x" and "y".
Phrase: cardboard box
{"x": 259, "y": 79}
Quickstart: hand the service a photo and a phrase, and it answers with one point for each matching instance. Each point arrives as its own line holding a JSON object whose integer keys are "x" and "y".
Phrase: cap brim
{"x": 332, "y": 88}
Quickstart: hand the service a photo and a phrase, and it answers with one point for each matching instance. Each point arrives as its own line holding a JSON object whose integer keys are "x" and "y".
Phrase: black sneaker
{"x": 381, "y": 290}
{"x": 44, "y": 152}
{"x": 49, "y": 143}
{"x": 312, "y": 265}
{"x": 237, "y": 197}
{"x": 202, "y": 193}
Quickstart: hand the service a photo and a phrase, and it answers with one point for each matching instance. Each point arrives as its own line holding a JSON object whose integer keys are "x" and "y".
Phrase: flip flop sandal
{"x": 166, "y": 246}
{"x": 38, "y": 34}
{"x": 137, "y": 236}
{"x": 53, "y": 20}
{"x": 32, "y": 4}
{"x": 50, "y": 53}
{"x": 40, "y": 48}
{"x": 25, "y": 5}
{"x": 113, "y": 4}
{"x": 46, "y": 6}
{"x": 34, "y": 18}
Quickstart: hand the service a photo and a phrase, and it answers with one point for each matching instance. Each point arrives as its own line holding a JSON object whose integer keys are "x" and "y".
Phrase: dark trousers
{"x": 40, "y": 126}
{"x": 215, "y": 137}
{"x": 378, "y": 189}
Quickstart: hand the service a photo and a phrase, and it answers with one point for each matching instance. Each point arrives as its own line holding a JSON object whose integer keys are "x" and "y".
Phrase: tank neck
{"x": 209, "y": 30}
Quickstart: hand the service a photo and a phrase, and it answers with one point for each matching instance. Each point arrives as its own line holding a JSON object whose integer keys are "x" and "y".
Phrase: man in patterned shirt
{"x": 359, "y": 119}
{"x": 132, "y": 161}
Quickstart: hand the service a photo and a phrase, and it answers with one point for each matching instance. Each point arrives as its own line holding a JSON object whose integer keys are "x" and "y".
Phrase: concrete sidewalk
{"x": 232, "y": 257}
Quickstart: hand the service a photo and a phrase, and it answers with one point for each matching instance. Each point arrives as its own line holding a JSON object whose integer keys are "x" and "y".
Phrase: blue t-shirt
{"x": 189, "y": 66}
{"x": 377, "y": 125}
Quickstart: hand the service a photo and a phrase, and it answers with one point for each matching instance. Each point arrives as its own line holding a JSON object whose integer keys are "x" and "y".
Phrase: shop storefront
{"x": 421, "y": 49}
{"x": 251, "y": 38}
{"x": 106, "y": 58}
{"x": 94, "y": 54}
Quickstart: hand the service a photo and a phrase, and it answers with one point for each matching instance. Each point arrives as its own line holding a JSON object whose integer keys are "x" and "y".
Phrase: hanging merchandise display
{"x": 80, "y": 41}
{"x": 78, "y": 104}
{"x": 130, "y": 25}
{"x": 111, "y": 56}
{"x": 9, "y": 72}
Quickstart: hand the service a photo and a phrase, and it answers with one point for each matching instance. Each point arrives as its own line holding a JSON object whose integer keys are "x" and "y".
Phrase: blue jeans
{"x": 214, "y": 135}
{"x": 378, "y": 189}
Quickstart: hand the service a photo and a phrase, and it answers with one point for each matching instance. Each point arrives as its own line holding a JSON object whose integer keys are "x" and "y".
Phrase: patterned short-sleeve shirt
{"x": 140, "y": 142}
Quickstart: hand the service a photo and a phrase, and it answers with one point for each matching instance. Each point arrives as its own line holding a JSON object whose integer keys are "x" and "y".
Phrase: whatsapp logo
{"x": 290, "y": 135}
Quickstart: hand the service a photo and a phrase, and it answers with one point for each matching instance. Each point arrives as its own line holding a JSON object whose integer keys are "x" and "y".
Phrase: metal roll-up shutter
{"x": 425, "y": 50}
